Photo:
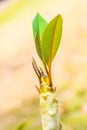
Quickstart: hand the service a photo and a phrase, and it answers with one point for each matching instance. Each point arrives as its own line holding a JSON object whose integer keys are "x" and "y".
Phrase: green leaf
{"x": 39, "y": 25}
{"x": 51, "y": 39}
{"x": 38, "y": 46}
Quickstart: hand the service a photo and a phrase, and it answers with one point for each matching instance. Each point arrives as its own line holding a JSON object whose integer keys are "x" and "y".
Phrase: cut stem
{"x": 48, "y": 101}
{"x": 49, "y": 110}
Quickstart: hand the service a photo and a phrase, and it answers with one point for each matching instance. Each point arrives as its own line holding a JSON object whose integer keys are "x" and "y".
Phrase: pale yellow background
{"x": 17, "y": 78}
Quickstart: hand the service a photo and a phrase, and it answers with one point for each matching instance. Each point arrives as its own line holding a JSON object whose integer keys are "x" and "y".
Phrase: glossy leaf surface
{"x": 39, "y": 25}
{"x": 51, "y": 39}
{"x": 38, "y": 46}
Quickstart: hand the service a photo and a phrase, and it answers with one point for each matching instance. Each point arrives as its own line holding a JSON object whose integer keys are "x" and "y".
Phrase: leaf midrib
{"x": 52, "y": 42}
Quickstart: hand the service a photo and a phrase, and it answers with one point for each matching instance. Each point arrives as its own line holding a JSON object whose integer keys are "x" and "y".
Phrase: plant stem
{"x": 46, "y": 69}
{"x": 50, "y": 77}
{"x": 49, "y": 110}
{"x": 48, "y": 101}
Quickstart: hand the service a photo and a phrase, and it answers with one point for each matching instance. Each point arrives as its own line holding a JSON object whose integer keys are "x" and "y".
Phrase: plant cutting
{"x": 47, "y": 38}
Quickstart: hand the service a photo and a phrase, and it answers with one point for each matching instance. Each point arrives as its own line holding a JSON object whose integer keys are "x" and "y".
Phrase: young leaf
{"x": 51, "y": 39}
{"x": 39, "y": 25}
{"x": 38, "y": 46}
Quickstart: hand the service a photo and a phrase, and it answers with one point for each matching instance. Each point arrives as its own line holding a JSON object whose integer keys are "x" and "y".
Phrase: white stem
{"x": 49, "y": 111}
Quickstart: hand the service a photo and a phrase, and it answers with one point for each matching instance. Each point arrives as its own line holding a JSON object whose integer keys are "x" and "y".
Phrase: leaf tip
{"x": 60, "y": 17}
{"x": 37, "y": 14}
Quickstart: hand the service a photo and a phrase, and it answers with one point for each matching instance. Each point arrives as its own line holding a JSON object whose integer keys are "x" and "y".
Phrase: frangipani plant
{"x": 47, "y": 38}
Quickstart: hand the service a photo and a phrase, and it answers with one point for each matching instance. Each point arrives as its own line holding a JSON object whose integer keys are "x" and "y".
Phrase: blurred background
{"x": 19, "y": 100}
